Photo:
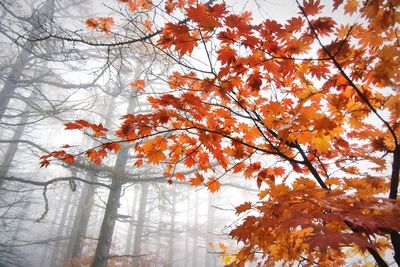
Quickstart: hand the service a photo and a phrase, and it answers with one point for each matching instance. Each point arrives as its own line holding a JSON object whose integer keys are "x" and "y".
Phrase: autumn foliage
{"x": 309, "y": 109}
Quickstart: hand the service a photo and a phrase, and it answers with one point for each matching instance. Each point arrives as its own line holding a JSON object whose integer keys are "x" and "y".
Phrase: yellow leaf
{"x": 321, "y": 143}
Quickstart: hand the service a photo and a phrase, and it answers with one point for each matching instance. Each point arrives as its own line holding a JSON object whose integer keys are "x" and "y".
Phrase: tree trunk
{"x": 137, "y": 243}
{"x": 61, "y": 228}
{"x": 129, "y": 239}
{"x": 85, "y": 206}
{"x": 187, "y": 233}
{"x": 210, "y": 257}
{"x": 195, "y": 231}
{"x": 159, "y": 259}
{"x": 111, "y": 212}
{"x": 81, "y": 221}
{"x": 172, "y": 231}
{"x": 12, "y": 148}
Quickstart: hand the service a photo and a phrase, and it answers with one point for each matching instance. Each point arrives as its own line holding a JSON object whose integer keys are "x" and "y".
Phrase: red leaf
{"x": 312, "y": 7}
{"x": 68, "y": 158}
{"x": 336, "y": 4}
{"x": 254, "y": 81}
{"x": 226, "y": 55}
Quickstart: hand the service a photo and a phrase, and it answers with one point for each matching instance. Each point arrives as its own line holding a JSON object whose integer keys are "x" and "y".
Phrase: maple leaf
{"x": 180, "y": 176}
{"x": 351, "y": 6}
{"x": 254, "y": 81}
{"x": 279, "y": 171}
{"x": 92, "y": 155}
{"x": 213, "y": 185}
{"x": 79, "y": 124}
{"x": 148, "y": 25}
{"x": 116, "y": 146}
{"x": 325, "y": 123}
{"x": 98, "y": 129}
{"x": 312, "y": 7}
{"x": 138, "y": 85}
{"x": 264, "y": 175}
{"x": 323, "y": 25}
{"x": 178, "y": 35}
{"x": 321, "y": 143}
{"x": 68, "y": 158}
{"x": 243, "y": 207}
{"x": 138, "y": 163}
{"x": 294, "y": 24}
{"x": 154, "y": 148}
{"x": 251, "y": 169}
{"x": 201, "y": 15}
{"x": 226, "y": 55}
{"x": 146, "y": 5}
{"x": 72, "y": 126}
{"x": 169, "y": 6}
{"x": 198, "y": 180}
{"x": 105, "y": 24}
{"x": 44, "y": 162}
{"x": 336, "y": 4}
{"x": 92, "y": 23}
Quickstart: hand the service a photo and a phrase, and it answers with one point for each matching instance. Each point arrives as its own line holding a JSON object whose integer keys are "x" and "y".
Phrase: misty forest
{"x": 199, "y": 133}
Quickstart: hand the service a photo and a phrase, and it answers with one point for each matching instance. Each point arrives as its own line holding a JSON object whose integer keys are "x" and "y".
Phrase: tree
{"x": 309, "y": 109}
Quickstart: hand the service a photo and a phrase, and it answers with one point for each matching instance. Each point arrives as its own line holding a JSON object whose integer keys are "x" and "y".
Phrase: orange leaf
{"x": 92, "y": 23}
{"x": 148, "y": 25}
{"x": 113, "y": 146}
{"x": 323, "y": 25}
{"x": 91, "y": 154}
{"x": 321, "y": 143}
{"x": 138, "y": 85}
{"x": 213, "y": 185}
{"x": 203, "y": 17}
{"x": 155, "y": 156}
{"x": 180, "y": 176}
{"x": 243, "y": 207}
{"x": 279, "y": 171}
{"x": 68, "y": 158}
{"x": 198, "y": 180}
{"x": 178, "y": 35}
{"x": 351, "y": 6}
